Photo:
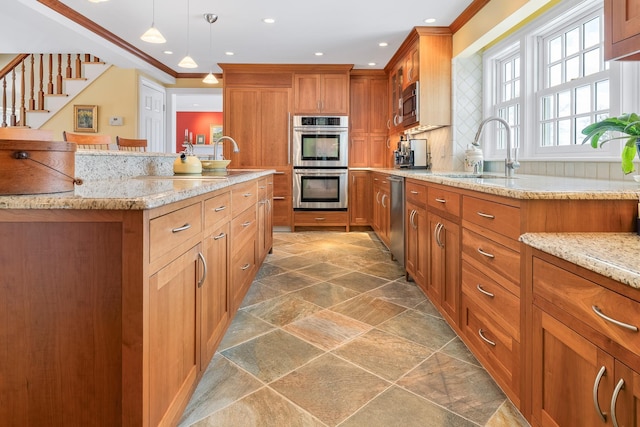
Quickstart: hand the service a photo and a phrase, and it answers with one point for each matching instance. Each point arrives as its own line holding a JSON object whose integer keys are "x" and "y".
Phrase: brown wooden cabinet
{"x": 265, "y": 217}
{"x": 585, "y": 368}
{"x": 416, "y": 232}
{"x": 368, "y": 116}
{"x": 622, "y": 30}
{"x": 381, "y": 206}
{"x": 359, "y": 198}
{"x": 321, "y": 93}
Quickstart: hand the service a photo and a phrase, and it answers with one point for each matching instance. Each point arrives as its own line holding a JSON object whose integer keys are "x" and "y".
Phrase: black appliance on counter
{"x": 412, "y": 154}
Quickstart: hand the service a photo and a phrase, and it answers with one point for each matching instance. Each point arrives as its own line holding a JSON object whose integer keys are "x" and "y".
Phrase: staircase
{"x": 37, "y": 86}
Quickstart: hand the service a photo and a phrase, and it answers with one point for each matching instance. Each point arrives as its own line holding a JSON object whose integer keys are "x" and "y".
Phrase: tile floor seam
{"x": 295, "y": 404}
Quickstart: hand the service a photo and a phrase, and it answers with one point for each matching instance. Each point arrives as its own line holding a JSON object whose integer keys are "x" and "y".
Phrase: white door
{"x": 152, "y": 116}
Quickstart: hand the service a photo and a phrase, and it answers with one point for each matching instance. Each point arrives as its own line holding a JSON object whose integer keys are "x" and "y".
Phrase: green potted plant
{"x": 627, "y": 124}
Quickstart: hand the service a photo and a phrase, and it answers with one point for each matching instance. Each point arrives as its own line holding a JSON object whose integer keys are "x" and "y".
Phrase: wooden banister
{"x": 12, "y": 64}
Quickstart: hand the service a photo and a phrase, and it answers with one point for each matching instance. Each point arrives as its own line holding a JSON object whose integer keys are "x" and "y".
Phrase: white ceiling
{"x": 347, "y": 32}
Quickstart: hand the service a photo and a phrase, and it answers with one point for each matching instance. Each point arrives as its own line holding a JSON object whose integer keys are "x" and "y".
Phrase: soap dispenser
{"x": 187, "y": 163}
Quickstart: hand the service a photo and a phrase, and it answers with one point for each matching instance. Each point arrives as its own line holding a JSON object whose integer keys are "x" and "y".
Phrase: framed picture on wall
{"x": 216, "y": 132}
{"x": 200, "y": 139}
{"x": 85, "y": 118}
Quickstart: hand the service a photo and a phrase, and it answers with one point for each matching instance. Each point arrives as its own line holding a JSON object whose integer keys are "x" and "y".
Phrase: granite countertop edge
{"x": 613, "y": 255}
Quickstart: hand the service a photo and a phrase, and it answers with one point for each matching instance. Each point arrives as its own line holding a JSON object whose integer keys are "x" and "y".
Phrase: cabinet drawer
{"x": 491, "y": 256}
{"x": 282, "y": 185}
{"x": 243, "y": 227}
{"x": 265, "y": 187}
{"x": 168, "y": 231}
{"x": 498, "y": 350}
{"x": 502, "y": 306}
{"x": 242, "y": 196}
{"x": 381, "y": 182}
{"x": 444, "y": 200}
{"x": 313, "y": 218}
{"x": 416, "y": 193}
{"x": 243, "y": 266}
{"x": 502, "y": 219}
{"x": 578, "y": 297}
{"x": 217, "y": 210}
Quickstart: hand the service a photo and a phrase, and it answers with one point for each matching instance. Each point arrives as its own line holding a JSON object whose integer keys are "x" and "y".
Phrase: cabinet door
{"x": 359, "y": 151}
{"x": 215, "y": 298}
{"x": 360, "y": 198}
{"x": 275, "y": 109}
{"x": 444, "y": 268}
{"x": 242, "y": 120}
{"x": 307, "y": 93}
{"x": 417, "y": 244}
{"x": 385, "y": 216}
{"x": 622, "y": 29}
{"x": 174, "y": 356}
{"x": 378, "y": 105}
{"x": 378, "y": 151}
{"x": 566, "y": 369}
{"x": 626, "y": 401}
{"x": 359, "y": 104}
{"x": 335, "y": 94}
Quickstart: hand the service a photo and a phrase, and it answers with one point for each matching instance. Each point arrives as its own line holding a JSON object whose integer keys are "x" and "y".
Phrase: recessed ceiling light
{"x": 319, "y": 53}
{"x": 269, "y": 20}
{"x": 372, "y": 64}
{"x": 383, "y": 44}
{"x": 168, "y": 52}
{"x": 97, "y": 1}
{"x": 229, "y": 53}
{"x": 430, "y": 20}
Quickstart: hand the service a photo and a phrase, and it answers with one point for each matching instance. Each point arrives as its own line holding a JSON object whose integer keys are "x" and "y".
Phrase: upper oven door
{"x": 325, "y": 148}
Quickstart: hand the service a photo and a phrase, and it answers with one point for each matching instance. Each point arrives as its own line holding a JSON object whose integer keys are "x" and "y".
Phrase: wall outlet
{"x": 116, "y": 121}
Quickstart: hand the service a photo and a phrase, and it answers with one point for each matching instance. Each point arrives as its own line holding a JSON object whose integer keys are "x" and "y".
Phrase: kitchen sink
{"x": 475, "y": 176}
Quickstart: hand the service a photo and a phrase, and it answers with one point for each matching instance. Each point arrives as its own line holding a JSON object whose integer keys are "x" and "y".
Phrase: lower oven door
{"x": 320, "y": 189}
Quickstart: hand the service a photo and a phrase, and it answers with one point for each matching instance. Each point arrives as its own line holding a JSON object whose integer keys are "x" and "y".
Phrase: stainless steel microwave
{"x": 411, "y": 104}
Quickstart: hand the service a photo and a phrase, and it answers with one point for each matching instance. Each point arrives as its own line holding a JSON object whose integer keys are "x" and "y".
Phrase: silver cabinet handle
{"x": 441, "y": 200}
{"x": 247, "y": 195}
{"x": 179, "y": 229}
{"x": 219, "y": 236}
{"x": 268, "y": 205}
{"x": 244, "y": 267}
{"x": 487, "y": 254}
{"x": 278, "y": 197}
{"x": 411, "y": 216}
{"x": 388, "y": 127}
{"x": 485, "y": 339}
{"x": 437, "y": 232}
{"x": 415, "y": 192}
{"x": 204, "y": 269}
{"x": 278, "y": 173}
{"x": 597, "y": 311}
{"x": 262, "y": 187}
{"x": 596, "y": 386}
{"x": 378, "y": 197}
{"x": 484, "y": 215}
{"x": 319, "y": 219}
{"x": 489, "y": 294}
{"x": 246, "y": 224}
{"x": 221, "y": 208}
{"x": 614, "y": 400}
{"x": 383, "y": 197}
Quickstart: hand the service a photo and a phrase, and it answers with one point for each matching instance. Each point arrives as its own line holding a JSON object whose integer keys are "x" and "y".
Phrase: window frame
{"x": 527, "y": 41}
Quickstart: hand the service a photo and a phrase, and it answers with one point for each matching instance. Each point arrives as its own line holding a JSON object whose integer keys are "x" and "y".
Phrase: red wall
{"x": 198, "y": 123}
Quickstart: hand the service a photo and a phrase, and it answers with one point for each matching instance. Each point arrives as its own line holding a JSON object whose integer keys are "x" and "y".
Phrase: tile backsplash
{"x": 579, "y": 169}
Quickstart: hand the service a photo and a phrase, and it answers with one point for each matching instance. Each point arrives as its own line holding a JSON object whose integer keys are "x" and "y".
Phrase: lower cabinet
{"x": 417, "y": 244}
{"x": 359, "y": 198}
{"x": 585, "y": 368}
{"x": 321, "y": 219}
{"x": 265, "y": 217}
{"x": 381, "y": 207}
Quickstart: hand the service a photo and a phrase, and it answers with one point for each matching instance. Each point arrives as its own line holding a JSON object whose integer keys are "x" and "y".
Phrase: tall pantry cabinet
{"x": 258, "y": 105}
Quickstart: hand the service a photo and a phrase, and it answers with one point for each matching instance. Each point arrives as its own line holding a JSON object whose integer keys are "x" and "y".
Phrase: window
{"x": 549, "y": 80}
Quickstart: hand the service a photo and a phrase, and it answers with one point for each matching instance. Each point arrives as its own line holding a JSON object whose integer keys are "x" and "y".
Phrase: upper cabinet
{"x": 424, "y": 57}
{"x": 323, "y": 92}
{"x": 622, "y": 30}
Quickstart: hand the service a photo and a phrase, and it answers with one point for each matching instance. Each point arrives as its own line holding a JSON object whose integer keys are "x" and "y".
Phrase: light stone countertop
{"x": 527, "y": 186}
{"x": 614, "y": 255}
{"x": 129, "y": 193}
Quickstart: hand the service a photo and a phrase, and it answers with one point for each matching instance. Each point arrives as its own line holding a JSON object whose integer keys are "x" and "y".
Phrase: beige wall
{"x": 115, "y": 92}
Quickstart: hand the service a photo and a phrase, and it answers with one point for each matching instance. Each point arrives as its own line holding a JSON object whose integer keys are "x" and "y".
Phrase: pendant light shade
{"x": 152, "y": 35}
{"x": 210, "y": 18}
{"x": 187, "y": 61}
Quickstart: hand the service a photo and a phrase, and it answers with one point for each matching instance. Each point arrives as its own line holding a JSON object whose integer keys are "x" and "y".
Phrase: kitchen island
{"x": 114, "y": 296}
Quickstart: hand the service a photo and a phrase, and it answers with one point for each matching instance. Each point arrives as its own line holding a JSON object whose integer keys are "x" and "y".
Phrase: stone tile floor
{"x": 331, "y": 334}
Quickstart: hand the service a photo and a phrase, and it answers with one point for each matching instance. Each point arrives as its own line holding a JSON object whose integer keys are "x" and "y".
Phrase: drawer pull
{"x": 244, "y": 267}
{"x": 278, "y": 173}
{"x": 179, "y": 229}
{"x": 484, "y": 215}
{"x": 485, "y": 339}
{"x": 441, "y": 200}
{"x": 415, "y": 192}
{"x": 278, "y": 197}
{"x": 247, "y": 195}
{"x": 597, "y": 311}
{"x": 221, "y": 208}
{"x": 220, "y": 236}
{"x": 487, "y": 254}
{"x": 262, "y": 187}
{"x": 319, "y": 219}
{"x": 246, "y": 224}
{"x": 614, "y": 400}
{"x": 489, "y": 294}
{"x": 204, "y": 269}
{"x": 596, "y": 386}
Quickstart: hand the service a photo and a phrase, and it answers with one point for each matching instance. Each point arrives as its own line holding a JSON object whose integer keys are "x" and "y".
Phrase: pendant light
{"x": 152, "y": 35}
{"x": 187, "y": 61}
{"x": 210, "y": 18}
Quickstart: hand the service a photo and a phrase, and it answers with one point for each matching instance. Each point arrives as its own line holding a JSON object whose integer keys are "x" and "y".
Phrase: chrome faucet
{"x": 219, "y": 142}
{"x": 510, "y": 165}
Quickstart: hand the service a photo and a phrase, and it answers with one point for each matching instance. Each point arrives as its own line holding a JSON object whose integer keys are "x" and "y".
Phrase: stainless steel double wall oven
{"x": 320, "y": 162}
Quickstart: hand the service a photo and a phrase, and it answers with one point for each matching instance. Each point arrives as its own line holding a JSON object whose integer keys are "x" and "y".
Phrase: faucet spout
{"x": 510, "y": 164}
{"x": 233, "y": 141}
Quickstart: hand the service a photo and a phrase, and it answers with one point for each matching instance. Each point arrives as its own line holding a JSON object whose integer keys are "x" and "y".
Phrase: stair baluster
{"x": 32, "y": 99}
{"x": 4, "y": 101}
{"x": 12, "y": 119}
{"x": 50, "y": 84}
{"x": 59, "y": 75}
{"x": 23, "y": 109}
{"x": 41, "y": 91}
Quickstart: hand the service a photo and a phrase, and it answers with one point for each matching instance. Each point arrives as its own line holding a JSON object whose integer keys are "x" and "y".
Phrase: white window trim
{"x": 622, "y": 74}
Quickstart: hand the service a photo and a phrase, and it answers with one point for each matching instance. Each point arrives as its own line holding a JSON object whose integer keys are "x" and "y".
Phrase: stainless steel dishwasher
{"x": 396, "y": 221}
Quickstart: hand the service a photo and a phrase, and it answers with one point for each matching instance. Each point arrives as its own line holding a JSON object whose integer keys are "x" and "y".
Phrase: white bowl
{"x": 636, "y": 178}
{"x": 215, "y": 164}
